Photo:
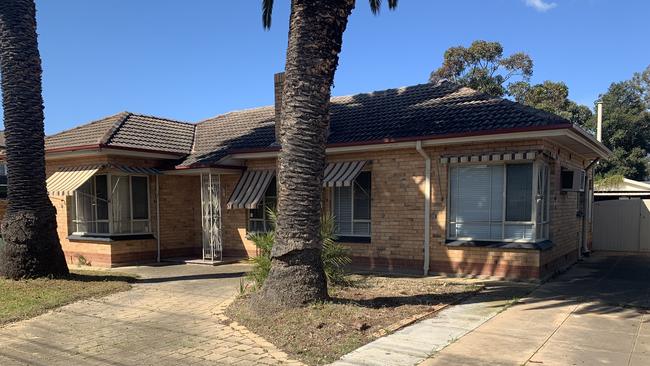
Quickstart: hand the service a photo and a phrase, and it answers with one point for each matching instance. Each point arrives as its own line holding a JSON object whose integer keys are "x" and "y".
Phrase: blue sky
{"x": 194, "y": 59}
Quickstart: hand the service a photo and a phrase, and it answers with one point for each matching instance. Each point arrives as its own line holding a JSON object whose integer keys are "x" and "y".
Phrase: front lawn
{"x": 28, "y": 298}
{"x": 356, "y": 315}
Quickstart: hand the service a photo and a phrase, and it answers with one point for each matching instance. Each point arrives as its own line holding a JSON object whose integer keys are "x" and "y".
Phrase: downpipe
{"x": 588, "y": 201}
{"x": 427, "y": 204}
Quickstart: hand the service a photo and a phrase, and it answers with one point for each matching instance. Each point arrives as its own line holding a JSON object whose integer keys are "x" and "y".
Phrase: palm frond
{"x": 375, "y": 5}
{"x": 267, "y": 12}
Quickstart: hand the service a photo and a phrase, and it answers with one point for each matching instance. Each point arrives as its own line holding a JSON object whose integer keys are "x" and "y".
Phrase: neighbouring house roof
{"x": 625, "y": 187}
{"x": 425, "y": 110}
{"x": 128, "y": 130}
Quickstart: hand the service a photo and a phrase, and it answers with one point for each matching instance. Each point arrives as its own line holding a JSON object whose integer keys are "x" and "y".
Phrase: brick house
{"x": 431, "y": 178}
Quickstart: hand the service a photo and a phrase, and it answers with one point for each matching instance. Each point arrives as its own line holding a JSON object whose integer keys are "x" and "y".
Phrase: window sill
{"x": 541, "y": 246}
{"x": 109, "y": 238}
{"x": 353, "y": 239}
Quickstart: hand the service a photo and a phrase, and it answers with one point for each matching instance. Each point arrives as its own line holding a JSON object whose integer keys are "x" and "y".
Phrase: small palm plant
{"x": 335, "y": 256}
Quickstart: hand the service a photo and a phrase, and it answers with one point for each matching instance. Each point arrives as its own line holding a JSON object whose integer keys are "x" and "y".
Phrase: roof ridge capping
{"x": 251, "y": 109}
{"x": 440, "y": 84}
{"x": 86, "y": 124}
{"x": 113, "y": 129}
{"x": 163, "y": 118}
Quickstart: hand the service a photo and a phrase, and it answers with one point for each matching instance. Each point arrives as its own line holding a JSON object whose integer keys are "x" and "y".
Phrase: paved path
{"x": 171, "y": 317}
{"x": 595, "y": 314}
{"x": 415, "y": 343}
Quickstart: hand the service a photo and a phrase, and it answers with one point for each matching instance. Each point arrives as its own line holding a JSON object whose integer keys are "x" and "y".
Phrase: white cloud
{"x": 540, "y": 5}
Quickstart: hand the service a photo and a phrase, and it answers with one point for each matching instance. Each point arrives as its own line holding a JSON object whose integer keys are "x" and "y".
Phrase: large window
{"x": 112, "y": 204}
{"x": 351, "y": 207}
{"x": 259, "y": 220}
{"x": 496, "y": 202}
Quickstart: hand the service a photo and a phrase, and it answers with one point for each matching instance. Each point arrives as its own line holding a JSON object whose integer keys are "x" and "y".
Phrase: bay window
{"x": 111, "y": 204}
{"x": 351, "y": 207}
{"x": 500, "y": 202}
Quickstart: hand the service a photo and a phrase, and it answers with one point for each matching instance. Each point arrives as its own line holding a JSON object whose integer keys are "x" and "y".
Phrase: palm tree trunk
{"x": 315, "y": 37}
{"x": 32, "y": 246}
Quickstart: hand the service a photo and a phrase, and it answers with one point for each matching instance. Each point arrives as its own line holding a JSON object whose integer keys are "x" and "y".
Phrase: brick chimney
{"x": 278, "y": 82}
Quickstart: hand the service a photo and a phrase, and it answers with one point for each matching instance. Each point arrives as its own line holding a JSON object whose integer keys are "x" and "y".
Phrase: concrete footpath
{"x": 413, "y": 344}
{"x": 595, "y": 314}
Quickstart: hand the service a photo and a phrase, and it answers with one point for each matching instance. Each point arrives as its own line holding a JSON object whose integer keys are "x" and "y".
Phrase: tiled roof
{"x": 153, "y": 133}
{"x": 244, "y": 129}
{"x": 416, "y": 111}
{"x": 89, "y": 134}
{"x": 420, "y": 110}
{"x": 131, "y": 131}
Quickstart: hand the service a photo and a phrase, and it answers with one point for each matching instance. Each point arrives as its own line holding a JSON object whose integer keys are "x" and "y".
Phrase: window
{"x": 3, "y": 180}
{"x": 112, "y": 204}
{"x": 496, "y": 202}
{"x": 258, "y": 218}
{"x": 351, "y": 207}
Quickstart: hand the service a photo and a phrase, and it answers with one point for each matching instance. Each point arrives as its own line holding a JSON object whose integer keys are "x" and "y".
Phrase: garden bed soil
{"x": 371, "y": 307}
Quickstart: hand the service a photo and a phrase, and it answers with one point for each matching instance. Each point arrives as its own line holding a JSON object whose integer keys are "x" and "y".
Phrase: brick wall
{"x": 180, "y": 216}
{"x": 398, "y": 217}
{"x": 180, "y": 223}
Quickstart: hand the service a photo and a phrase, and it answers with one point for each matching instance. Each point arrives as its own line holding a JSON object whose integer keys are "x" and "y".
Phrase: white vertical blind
{"x": 495, "y": 202}
{"x": 343, "y": 209}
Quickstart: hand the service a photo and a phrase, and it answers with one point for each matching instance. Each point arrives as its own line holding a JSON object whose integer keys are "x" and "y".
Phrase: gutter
{"x": 427, "y": 204}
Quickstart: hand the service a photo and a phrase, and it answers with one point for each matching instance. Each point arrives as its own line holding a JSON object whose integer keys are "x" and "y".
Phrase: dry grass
{"x": 27, "y": 298}
{"x": 356, "y": 315}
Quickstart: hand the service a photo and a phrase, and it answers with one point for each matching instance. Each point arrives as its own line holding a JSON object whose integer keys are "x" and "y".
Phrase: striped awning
{"x": 250, "y": 188}
{"x": 342, "y": 173}
{"x": 137, "y": 170}
{"x": 67, "y": 180}
{"x": 478, "y": 158}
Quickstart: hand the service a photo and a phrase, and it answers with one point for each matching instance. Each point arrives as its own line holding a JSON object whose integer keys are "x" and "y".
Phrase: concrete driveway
{"x": 172, "y": 316}
{"x": 595, "y": 314}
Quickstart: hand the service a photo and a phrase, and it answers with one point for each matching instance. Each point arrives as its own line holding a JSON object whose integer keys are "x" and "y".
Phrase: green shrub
{"x": 261, "y": 262}
{"x": 335, "y": 256}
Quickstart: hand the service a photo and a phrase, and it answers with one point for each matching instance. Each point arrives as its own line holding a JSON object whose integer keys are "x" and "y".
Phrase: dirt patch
{"x": 358, "y": 314}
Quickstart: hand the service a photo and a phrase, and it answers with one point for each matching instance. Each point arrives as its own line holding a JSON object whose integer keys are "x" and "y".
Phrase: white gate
{"x": 622, "y": 225}
{"x": 211, "y": 216}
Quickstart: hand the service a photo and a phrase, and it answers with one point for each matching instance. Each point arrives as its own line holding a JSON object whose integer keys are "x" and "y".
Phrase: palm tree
{"x": 32, "y": 246}
{"x": 315, "y": 37}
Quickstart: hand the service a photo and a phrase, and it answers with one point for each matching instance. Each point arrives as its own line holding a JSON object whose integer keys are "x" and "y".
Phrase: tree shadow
{"x": 382, "y": 302}
{"x": 100, "y": 277}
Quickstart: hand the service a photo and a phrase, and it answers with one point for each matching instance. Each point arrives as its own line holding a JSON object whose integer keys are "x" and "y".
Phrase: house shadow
{"x": 601, "y": 284}
{"x": 191, "y": 277}
{"x": 107, "y": 277}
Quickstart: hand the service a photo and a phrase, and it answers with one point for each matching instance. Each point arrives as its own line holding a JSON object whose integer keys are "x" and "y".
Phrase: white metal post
{"x": 157, "y": 217}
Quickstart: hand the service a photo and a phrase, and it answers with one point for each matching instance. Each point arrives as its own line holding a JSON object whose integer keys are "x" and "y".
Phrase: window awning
{"x": 500, "y": 156}
{"x": 67, "y": 180}
{"x": 250, "y": 188}
{"x": 137, "y": 170}
{"x": 342, "y": 173}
